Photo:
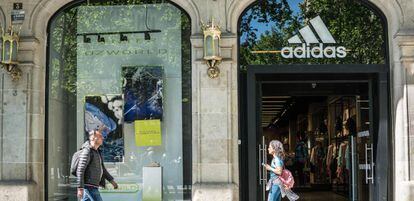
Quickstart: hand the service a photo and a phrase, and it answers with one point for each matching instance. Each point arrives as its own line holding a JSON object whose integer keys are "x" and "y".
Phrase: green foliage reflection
{"x": 352, "y": 24}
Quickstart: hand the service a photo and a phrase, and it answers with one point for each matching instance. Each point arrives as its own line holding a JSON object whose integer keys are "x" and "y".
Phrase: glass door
{"x": 262, "y": 155}
{"x": 363, "y": 151}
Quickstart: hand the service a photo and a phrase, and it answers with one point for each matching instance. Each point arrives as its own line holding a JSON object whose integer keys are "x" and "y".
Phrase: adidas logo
{"x": 306, "y": 50}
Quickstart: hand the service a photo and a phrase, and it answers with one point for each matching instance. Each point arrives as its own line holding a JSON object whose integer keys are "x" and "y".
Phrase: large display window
{"x": 121, "y": 67}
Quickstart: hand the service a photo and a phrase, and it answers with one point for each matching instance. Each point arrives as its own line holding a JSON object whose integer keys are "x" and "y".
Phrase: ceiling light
{"x": 101, "y": 39}
{"x": 86, "y": 39}
{"x": 147, "y": 36}
{"x": 123, "y": 37}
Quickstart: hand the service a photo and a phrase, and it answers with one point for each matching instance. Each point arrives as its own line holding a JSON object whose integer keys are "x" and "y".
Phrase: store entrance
{"x": 324, "y": 128}
{"x": 329, "y": 126}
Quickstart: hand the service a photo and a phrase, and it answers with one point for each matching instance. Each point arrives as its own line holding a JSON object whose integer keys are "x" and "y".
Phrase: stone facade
{"x": 215, "y": 102}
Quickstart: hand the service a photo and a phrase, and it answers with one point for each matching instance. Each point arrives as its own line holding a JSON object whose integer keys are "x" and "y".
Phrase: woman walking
{"x": 276, "y": 187}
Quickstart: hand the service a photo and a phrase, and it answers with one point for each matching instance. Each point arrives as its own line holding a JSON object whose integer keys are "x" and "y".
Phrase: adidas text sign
{"x": 320, "y": 51}
{"x": 306, "y": 50}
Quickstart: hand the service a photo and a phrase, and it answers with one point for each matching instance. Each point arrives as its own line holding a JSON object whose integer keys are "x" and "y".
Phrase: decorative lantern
{"x": 9, "y": 42}
{"x": 212, "y": 36}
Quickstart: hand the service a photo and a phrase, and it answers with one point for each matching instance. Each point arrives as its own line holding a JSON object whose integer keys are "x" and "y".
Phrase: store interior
{"x": 315, "y": 122}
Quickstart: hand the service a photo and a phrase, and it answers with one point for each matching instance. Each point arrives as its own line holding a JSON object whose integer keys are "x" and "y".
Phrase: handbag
{"x": 287, "y": 178}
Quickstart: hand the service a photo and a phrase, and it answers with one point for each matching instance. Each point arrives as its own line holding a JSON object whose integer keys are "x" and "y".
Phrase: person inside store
{"x": 277, "y": 189}
{"x": 91, "y": 172}
{"x": 301, "y": 156}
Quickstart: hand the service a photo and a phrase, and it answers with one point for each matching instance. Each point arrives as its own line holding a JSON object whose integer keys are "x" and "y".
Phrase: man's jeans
{"x": 91, "y": 194}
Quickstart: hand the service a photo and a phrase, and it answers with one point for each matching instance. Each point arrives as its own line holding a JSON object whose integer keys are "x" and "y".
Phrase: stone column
{"x": 215, "y": 120}
{"x": 22, "y": 116}
{"x": 403, "y": 87}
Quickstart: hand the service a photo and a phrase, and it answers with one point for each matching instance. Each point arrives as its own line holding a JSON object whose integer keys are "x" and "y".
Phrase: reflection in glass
{"x": 7, "y": 52}
{"x": 269, "y": 26}
{"x": 209, "y": 46}
{"x": 14, "y": 51}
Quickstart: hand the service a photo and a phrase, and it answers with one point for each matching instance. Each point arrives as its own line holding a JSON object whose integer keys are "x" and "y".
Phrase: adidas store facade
{"x": 330, "y": 79}
{"x": 321, "y": 89}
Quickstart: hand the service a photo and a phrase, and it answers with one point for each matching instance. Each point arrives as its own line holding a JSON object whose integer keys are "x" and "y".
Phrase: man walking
{"x": 91, "y": 172}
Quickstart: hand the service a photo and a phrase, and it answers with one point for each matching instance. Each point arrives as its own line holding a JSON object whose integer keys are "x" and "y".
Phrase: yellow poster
{"x": 148, "y": 132}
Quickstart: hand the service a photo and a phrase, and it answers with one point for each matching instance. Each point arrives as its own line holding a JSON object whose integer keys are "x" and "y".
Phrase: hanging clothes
{"x": 347, "y": 158}
{"x": 313, "y": 155}
{"x": 341, "y": 160}
{"x": 329, "y": 155}
{"x": 335, "y": 151}
{"x": 329, "y": 159}
{"x": 320, "y": 156}
{"x": 341, "y": 153}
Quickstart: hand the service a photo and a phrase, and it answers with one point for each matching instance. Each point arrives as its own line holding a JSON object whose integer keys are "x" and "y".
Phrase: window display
{"x": 120, "y": 69}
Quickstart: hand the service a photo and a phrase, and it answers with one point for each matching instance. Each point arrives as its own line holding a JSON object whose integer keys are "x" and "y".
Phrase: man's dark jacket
{"x": 91, "y": 169}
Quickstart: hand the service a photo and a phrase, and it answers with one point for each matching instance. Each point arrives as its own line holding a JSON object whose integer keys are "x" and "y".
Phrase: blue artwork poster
{"x": 104, "y": 113}
{"x": 143, "y": 94}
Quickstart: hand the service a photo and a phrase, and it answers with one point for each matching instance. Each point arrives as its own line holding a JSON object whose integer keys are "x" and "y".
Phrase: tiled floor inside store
{"x": 320, "y": 196}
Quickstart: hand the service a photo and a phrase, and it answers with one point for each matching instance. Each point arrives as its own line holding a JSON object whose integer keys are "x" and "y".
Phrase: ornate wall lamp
{"x": 9, "y": 43}
{"x": 212, "y": 36}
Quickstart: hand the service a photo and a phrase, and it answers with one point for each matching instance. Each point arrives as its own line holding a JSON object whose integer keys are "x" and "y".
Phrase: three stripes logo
{"x": 319, "y": 35}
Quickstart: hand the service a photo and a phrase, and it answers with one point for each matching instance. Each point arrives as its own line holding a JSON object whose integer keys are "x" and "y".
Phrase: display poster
{"x": 148, "y": 133}
{"x": 104, "y": 113}
{"x": 142, "y": 88}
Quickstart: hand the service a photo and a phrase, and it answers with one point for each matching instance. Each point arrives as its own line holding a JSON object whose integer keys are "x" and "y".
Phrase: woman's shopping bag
{"x": 287, "y": 178}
